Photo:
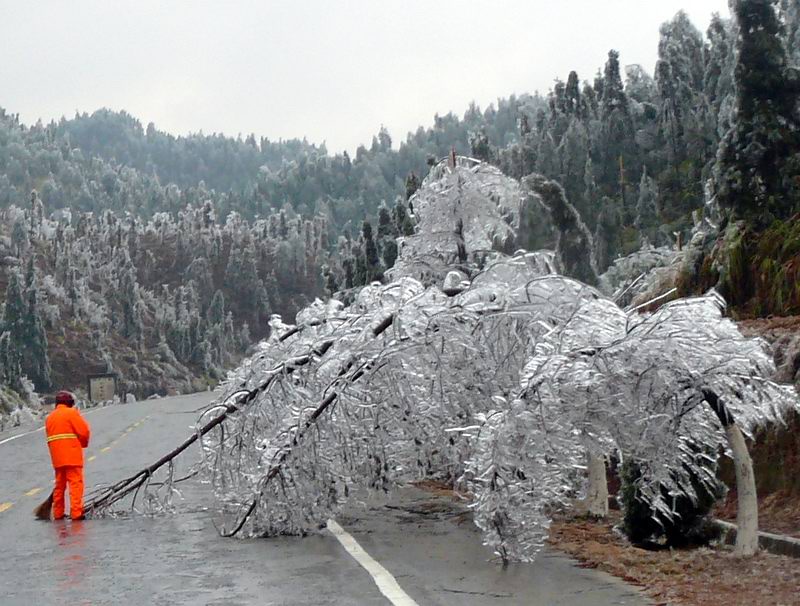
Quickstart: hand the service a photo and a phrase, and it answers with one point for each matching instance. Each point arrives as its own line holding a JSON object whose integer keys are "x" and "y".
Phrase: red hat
{"x": 65, "y": 397}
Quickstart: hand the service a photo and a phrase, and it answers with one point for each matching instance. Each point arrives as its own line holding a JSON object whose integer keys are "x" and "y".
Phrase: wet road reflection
{"x": 73, "y": 565}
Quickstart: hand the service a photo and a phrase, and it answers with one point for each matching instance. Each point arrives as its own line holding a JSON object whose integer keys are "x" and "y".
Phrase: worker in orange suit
{"x": 67, "y": 436}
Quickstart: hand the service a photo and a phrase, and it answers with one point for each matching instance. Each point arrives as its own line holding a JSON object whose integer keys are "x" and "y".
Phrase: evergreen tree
{"x": 35, "y": 359}
{"x": 10, "y": 368}
{"x": 244, "y": 336}
{"x": 615, "y": 145}
{"x": 402, "y": 221}
{"x": 718, "y": 77}
{"x": 14, "y": 315}
{"x": 574, "y": 245}
{"x": 216, "y": 311}
{"x": 30, "y": 274}
{"x": 242, "y": 271}
{"x": 132, "y": 327}
{"x": 646, "y": 210}
{"x": 37, "y": 212}
{"x": 607, "y": 233}
{"x": 14, "y": 307}
{"x": 360, "y": 272}
{"x": 19, "y": 236}
{"x": 178, "y": 336}
{"x": 547, "y": 162}
{"x": 386, "y": 227}
{"x": 639, "y": 85}
{"x": 758, "y": 160}
{"x": 412, "y": 185}
{"x": 613, "y": 96}
{"x": 263, "y": 304}
{"x": 387, "y": 234}
{"x": 679, "y": 76}
{"x": 349, "y": 269}
{"x": 480, "y": 147}
{"x": 590, "y": 195}
{"x": 199, "y": 271}
{"x": 331, "y": 281}
{"x": 574, "y": 153}
{"x": 572, "y": 95}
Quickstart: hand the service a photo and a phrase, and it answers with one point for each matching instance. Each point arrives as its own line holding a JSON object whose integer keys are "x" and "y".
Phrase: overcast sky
{"x": 330, "y": 70}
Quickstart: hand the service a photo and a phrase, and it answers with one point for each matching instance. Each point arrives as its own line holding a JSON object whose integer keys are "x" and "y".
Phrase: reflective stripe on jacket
{"x": 67, "y": 436}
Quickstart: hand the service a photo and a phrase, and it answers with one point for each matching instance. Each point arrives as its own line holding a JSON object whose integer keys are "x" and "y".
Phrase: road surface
{"x": 411, "y": 550}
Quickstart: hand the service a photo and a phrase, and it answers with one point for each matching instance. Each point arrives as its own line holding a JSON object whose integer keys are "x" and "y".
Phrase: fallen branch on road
{"x": 299, "y": 433}
{"x": 110, "y": 495}
{"x": 105, "y": 497}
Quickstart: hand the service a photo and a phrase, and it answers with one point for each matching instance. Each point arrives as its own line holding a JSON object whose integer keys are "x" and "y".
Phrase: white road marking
{"x": 383, "y": 579}
{"x": 33, "y": 492}
{"x": 27, "y": 433}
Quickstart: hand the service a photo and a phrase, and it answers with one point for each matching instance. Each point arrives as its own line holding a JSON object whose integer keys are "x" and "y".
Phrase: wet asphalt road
{"x": 432, "y": 552}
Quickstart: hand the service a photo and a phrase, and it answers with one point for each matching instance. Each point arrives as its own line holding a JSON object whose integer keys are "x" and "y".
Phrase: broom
{"x": 42, "y": 512}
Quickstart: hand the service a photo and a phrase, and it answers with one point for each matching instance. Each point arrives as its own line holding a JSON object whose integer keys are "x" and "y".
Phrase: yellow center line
{"x": 5, "y": 506}
{"x": 92, "y": 458}
{"x": 115, "y": 442}
{"x": 32, "y": 492}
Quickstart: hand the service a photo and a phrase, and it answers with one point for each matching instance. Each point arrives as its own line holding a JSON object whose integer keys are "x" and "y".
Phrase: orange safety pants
{"x": 72, "y": 475}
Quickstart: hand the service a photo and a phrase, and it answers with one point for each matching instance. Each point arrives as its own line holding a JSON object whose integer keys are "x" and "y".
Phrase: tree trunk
{"x": 747, "y": 506}
{"x": 597, "y": 493}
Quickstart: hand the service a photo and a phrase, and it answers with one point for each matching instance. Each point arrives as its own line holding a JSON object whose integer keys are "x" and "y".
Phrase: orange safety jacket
{"x": 67, "y": 436}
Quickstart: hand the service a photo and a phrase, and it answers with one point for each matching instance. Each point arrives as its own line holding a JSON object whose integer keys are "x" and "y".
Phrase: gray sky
{"x": 331, "y": 70}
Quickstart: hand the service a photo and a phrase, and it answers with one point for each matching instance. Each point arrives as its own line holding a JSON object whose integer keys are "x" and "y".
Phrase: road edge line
{"x": 386, "y": 583}
{"x": 21, "y": 435}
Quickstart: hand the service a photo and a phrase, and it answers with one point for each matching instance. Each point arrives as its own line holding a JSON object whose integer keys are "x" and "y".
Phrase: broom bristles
{"x": 42, "y": 512}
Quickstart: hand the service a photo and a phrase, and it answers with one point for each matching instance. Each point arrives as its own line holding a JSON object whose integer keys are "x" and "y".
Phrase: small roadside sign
{"x": 102, "y": 387}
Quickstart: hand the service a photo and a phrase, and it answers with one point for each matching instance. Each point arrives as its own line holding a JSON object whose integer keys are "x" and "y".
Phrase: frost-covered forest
{"x": 161, "y": 301}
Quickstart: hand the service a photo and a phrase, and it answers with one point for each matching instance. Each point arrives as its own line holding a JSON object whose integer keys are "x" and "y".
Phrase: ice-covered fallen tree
{"x": 432, "y": 394}
{"x": 504, "y": 383}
